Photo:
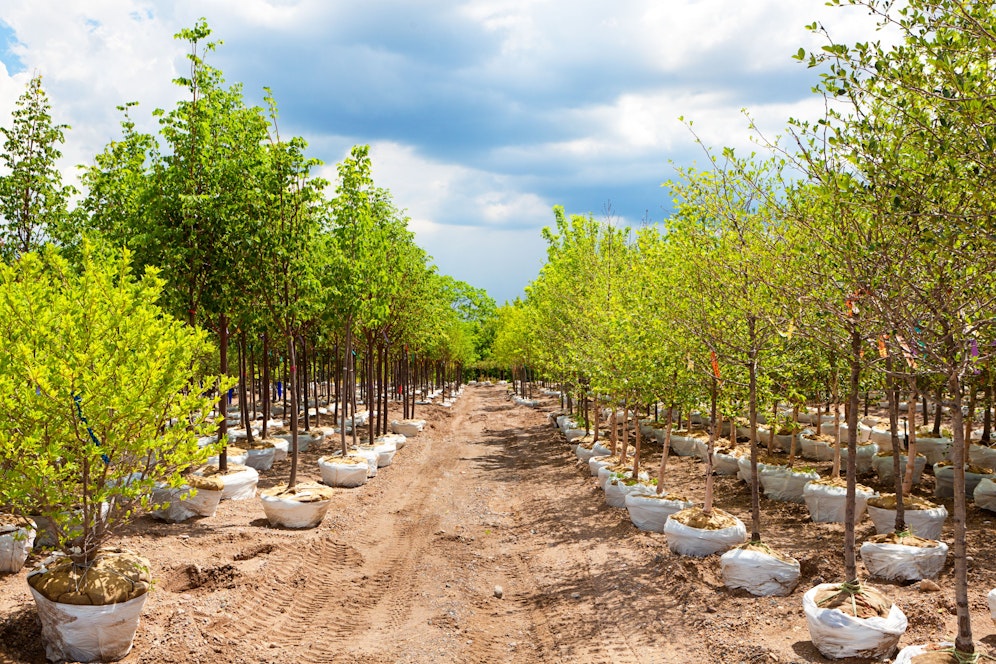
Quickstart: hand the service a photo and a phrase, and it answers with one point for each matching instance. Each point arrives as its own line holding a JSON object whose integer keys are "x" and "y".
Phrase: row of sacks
{"x": 522, "y": 401}
{"x": 207, "y": 486}
{"x": 755, "y": 567}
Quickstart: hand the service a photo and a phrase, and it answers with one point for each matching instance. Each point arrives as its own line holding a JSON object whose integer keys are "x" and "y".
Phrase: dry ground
{"x": 405, "y": 568}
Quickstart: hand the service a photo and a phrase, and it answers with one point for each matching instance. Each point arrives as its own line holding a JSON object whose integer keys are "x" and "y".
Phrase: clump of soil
{"x": 232, "y": 450}
{"x": 695, "y": 517}
{"x": 860, "y": 601}
{"x": 969, "y": 468}
{"x": 823, "y": 438}
{"x": 761, "y": 547}
{"x": 725, "y": 446}
{"x": 887, "y": 501}
{"x": 264, "y": 444}
{"x": 352, "y": 460}
{"x": 888, "y": 453}
{"x": 905, "y": 538}
{"x": 667, "y": 496}
{"x": 213, "y": 483}
{"x": 936, "y": 654}
{"x": 211, "y": 470}
{"x": 304, "y": 492}
{"x": 115, "y": 575}
{"x": 841, "y": 483}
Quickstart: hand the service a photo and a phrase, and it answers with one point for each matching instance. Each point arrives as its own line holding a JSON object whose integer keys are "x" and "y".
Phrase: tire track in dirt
{"x": 318, "y": 606}
{"x": 569, "y": 568}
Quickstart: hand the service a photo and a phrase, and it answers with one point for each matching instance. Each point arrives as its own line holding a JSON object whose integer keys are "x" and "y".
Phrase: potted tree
{"x": 95, "y": 411}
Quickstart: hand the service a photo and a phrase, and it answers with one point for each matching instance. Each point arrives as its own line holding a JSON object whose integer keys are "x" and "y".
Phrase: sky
{"x": 481, "y": 114}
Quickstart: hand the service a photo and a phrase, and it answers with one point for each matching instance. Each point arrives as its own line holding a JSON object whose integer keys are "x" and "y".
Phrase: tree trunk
{"x": 963, "y": 641}
{"x": 755, "y": 490}
{"x": 292, "y": 361}
{"x": 266, "y": 386}
{"x": 243, "y": 401}
{"x": 892, "y": 392}
{"x": 850, "y": 563}
{"x": 222, "y": 393}
{"x": 667, "y": 448}
{"x": 304, "y": 382}
{"x": 707, "y": 507}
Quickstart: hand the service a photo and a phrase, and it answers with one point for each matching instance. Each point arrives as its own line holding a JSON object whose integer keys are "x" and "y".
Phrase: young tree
{"x": 95, "y": 405}
{"x": 33, "y": 200}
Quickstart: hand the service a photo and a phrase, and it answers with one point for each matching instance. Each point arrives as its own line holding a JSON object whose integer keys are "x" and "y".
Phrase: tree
{"x": 33, "y": 201}
{"x": 95, "y": 405}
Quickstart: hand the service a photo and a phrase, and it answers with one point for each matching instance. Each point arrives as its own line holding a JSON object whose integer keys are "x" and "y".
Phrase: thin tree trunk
{"x": 707, "y": 507}
{"x": 264, "y": 432}
{"x": 667, "y": 448}
{"x": 892, "y": 392}
{"x": 850, "y": 562}
{"x": 292, "y": 361}
{"x": 222, "y": 393}
{"x": 243, "y": 401}
{"x": 755, "y": 490}
{"x": 304, "y": 381}
{"x": 963, "y": 641}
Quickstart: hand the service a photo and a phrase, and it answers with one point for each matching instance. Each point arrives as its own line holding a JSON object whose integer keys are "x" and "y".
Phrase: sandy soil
{"x": 407, "y": 567}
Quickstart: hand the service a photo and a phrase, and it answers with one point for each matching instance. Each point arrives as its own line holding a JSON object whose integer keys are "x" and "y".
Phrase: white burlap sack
{"x": 883, "y": 437}
{"x": 573, "y": 434}
{"x": 385, "y": 453}
{"x": 648, "y": 512}
{"x": 906, "y": 563}
{"x": 982, "y": 455}
{"x": 826, "y": 503}
{"x": 783, "y": 483}
{"x": 281, "y": 449}
{"x": 944, "y": 481}
{"x": 935, "y": 449}
{"x": 585, "y": 453}
{"x": 991, "y": 597}
{"x": 616, "y": 489}
{"x": 336, "y": 473}
{"x": 683, "y": 445}
{"x": 240, "y": 485}
{"x": 74, "y": 633}
{"x": 864, "y": 431}
{"x": 925, "y": 523}
{"x": 396, "y": 438}
{"x": 261, "y": 459}
{"x": 292, "y": 513}
{"x": 864, "y": 455}
{"x": 688, "y": 541}
{"x": 817, "y": 450}
{"x": 371, "y": 455}
{"x": 725, "y": 464}
{"x": 743, "y": 468}
{"x": 883, "y": 468}
{"x": 15, "y": 545}
{"x": 838, "y": 635}
{"x": 407, "y": 428}
{"x": 596, "y": 463}
{"x": 759, "y": 573}
{"x": 237, "y": 459}
{"x": 176, "y": 509}
{"x": 985, "y": 494}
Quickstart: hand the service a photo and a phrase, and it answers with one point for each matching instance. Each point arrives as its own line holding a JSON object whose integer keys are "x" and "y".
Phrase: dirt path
{"x": 406, "y": 568}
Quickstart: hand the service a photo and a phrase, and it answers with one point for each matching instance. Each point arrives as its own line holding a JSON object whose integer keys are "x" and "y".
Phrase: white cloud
{"x": 596, "y": 89}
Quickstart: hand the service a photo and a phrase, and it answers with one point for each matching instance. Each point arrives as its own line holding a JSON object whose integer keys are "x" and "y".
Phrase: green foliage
{"x": 33, "y": 201}
{"x": 95, "y": 398}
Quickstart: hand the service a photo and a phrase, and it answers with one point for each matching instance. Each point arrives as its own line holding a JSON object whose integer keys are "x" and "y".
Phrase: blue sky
{"x": 481, "y": 114}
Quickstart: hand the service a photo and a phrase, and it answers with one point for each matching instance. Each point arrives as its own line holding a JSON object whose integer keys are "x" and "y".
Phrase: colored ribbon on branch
{"x": 78, "y": 400}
